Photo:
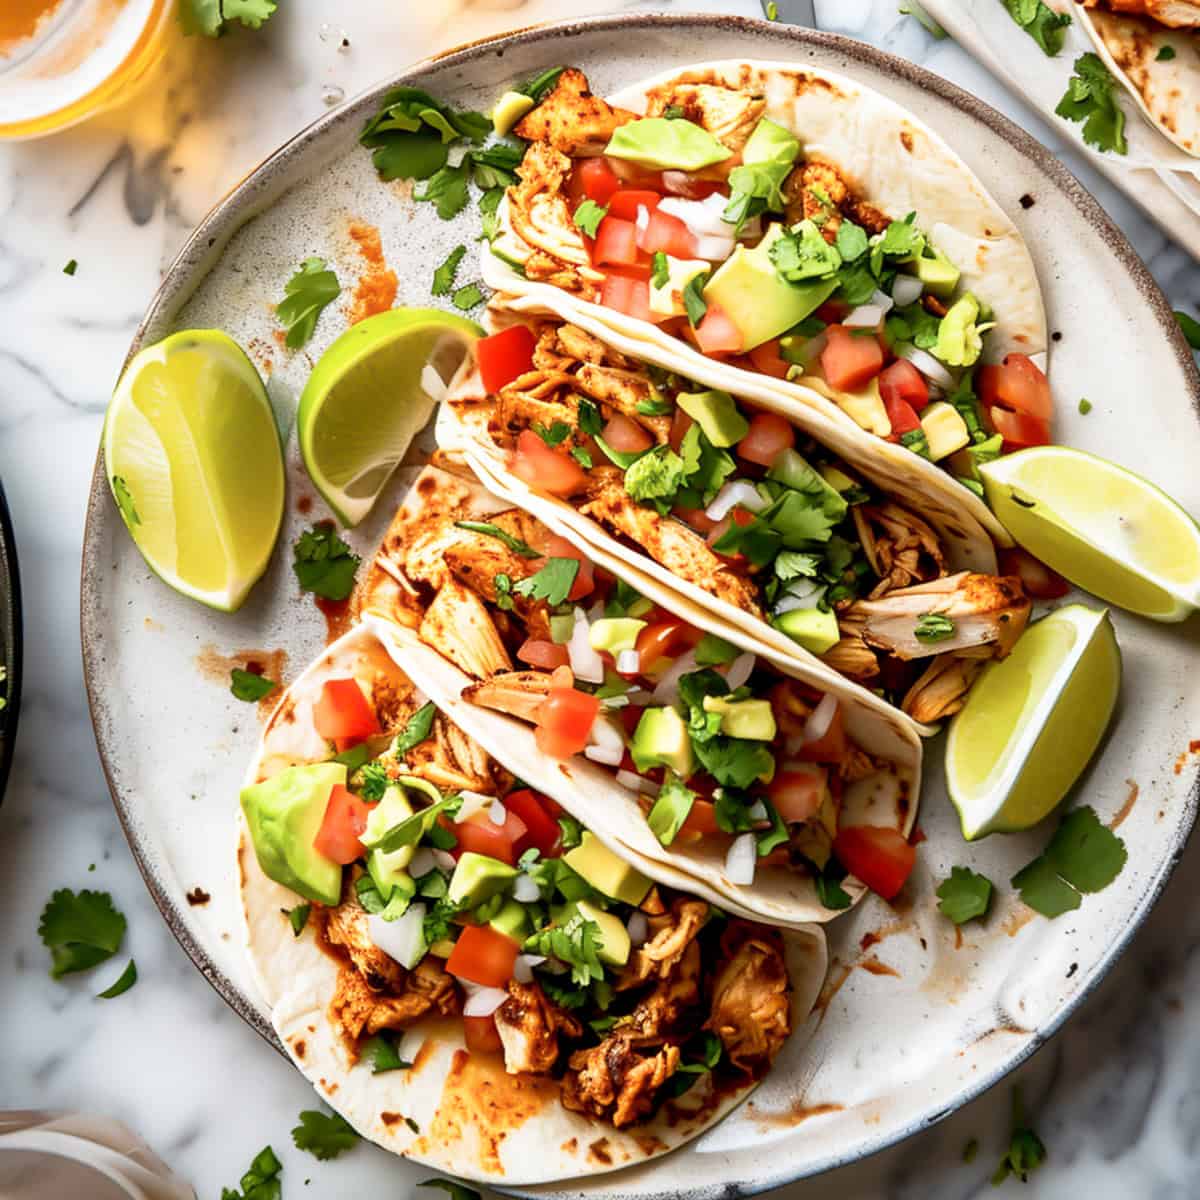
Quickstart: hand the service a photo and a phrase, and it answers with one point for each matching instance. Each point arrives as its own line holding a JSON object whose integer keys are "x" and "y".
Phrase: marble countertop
{"x": 1115, "y": 1096}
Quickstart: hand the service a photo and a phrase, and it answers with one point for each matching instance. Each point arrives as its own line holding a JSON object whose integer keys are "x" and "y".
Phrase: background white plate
{"x": 920, "y": 1023}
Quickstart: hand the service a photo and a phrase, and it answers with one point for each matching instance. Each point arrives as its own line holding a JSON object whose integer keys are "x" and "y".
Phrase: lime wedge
{"x": 194, "y": 461}
{"x": 1109, "y": 531}
{"x": 369, "y": 395}
{"x": 1032, "y": 721}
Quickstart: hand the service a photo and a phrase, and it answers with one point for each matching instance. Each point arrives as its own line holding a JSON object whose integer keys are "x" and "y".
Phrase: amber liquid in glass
{"x": 19, "y": 20}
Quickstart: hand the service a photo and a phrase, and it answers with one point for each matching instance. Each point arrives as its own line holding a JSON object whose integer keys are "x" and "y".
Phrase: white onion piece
{"x": 907, "y": 290}
{"x": 865, "y": 316}
{"x": 402, "y": 939}
{"x": 712, "y": 248}
{"x": 757, "y": 811}
{"x": 614, "y": 702}
{"x": 737, "y": 491}
{"x": 700, "y": 216}
{"x": 821, "y": 717}
{"x": 667, "y": 690}
{"x": 497, "y": 813}
{"x": 883, "y": 300}
{"x": 741, "y": 859}
{"x": 484, "y": 1001}
{"x": 638, "y": 697}
{"x": 638, "y": 927}
{"x": 421, "y": 862}
{"x": 606, "y": 745}
{"x": 443, "y": 859}
{"x": 739, "y": 671}
{"x": 635, "y": 783}
{"x": 642, "y": 221}
{"x": 432, "y": 384}
{"x": 586, "y": 663}
{"x": 802, "y": 593}
{"x": 628, "y": 662}
{"x": 472, "y": 803}
{"x": 926, "y": 364}
{"x": 523, "y": 967}
{"x": 525, "y": 890}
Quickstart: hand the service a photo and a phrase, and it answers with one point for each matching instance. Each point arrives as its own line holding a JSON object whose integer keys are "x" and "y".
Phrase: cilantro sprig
{"x": 324, "y": 564}
{"x": 552, "y": 583}
{"x": 261, "y": 1180}
{"x": 306, "y": 296}
{"x": 576, "y": 943}
{"x": 1091, "y": 99}
{"x": 211, "y": 18}
{"x": 1025, "y": 1152}
{"x": 416, "y": 729}
{"x": 81, "y": 930}
{"x": 1043, "y": 24}
{"x": 324, "y": 1135}
{"x": 1083, "y": 856}
{"x": 964, "y": 895}
{"x": 247, "y": 686}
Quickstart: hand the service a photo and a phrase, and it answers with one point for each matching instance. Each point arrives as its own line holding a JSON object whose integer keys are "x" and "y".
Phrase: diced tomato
{"x": 546, "y": 469}
{"x": 902, "y": 416}
{"x": 702, "y": 819}
{"x": 668, "y": 234}
{"x": 616, "y": 243}
{"x": 831, "y": 746}
{"x": 1019, "y": 429}
{"x": 542, "y": 831}
{"x": 537, "y": 652}
{"x": 564, "y": 722}
{"x": 696, "y": 518}
{"x": 767, "y": 359}
{"x": 903, "y": 382}
{"x": 797, "y": 794}
{"x": 879, "y": 856}
{"x": 626, "y": 201}
{"x": 664, "y": 639}
{"x": 717, "y": 334}
{"x": 595, "y": 180}
{"x": 481, "y": 1035}
{"x": 482, "y": 835}
{"x": 342, "y": 826}
{"x": 343, "y": 715}
{"x": 681, "y": 422}
{"x": 585, "y": 580}
{"x": 768, "y": 436}
{"x": 1037, "y": 578}
{"x": 504, "y": 356}
{"x": 483, "y": 955}
{"x": 1017, "y": 384}
{"x": 626, "y": 436}
{"x": 629, "y": 296}
{"x": 850, "y": 359}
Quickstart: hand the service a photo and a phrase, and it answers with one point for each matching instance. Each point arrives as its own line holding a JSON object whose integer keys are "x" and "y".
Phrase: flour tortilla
{"x": 900, "y": 166}
{"x": 472, "y": 1119}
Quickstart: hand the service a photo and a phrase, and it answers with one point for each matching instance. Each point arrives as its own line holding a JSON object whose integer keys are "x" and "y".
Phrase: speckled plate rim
{"x": 11, "y": 643}
{"x": 255, "y": 192}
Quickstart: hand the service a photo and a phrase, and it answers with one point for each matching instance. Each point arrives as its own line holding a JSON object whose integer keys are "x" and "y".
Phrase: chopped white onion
{"x": 638, "y": 927}
{"x": 667, "y": 689}
{"x": 638, "y": 697}
{"x": 432, "y": 384}
{"x": 586, "y": 663}
{"x": 635, "y": 783}
{"x": 865, "y": 316}
{"x": 821, "y": 717}
{"x": 497, "y": 814}
{"x": 740, "y": 670}
{"x": 421, "y": 862}
{"x": 757, "y": 811}
{"x": 702, "y": 217}
{"x": 628, "y": 662}
{"x": 712, "y": 248}
{"x": 402, "y": 939}
{"x": 907, "y": 290}
{"x": 472, "y": 803}
{"x": 883, "y": 300}
{"x": 523, "y": 967}
{"x": 926, "y": 364}
{"x": 641, "y": 220}
{"x": 615, "y": 702}
{"x": 525, "y": 890}
{"x": 801, "y": 593}
{"x": 605, "y": 743}
{"x": 735, "y": 492}
{"x": 443, "y": 859}
{"x": 482, "y": 1002}
{"x": 742, "y": 859}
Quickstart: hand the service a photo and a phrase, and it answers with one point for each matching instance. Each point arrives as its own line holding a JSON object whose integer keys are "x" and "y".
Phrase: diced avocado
{"x": 666, "y": 145}
{"x": 938, "y": 274}
{"x": 388, "y": 870}
{"x": 608, "y": 874}
{"x": 416, "y": 784}
{"x": 667, "y": 301}
{"x": 814, "y": 628}
{"x": 960, "y": 340}
{"x": 716, "y": 414}
{"x": 945, "y": 430}
{"x": 562, "y": 627}
{"x": 510, "y": 108}
{"x": 792, "y": 470}
{"x": 478, "y": 878}
{"x": 615, "y": 634}
{"x": 750, "y": 719}
{"x": 661, "y": 740}
{"x": 756, "y": 299}
{"x": 770, "y": 143}
{"x": 613, "y": 944}
{"x": 442, "y": 948}
{"x": 511, "y": 920}
{"x": 865, "y": 408}
{"x": 836, "y": 478}
{"x": 284, "y": 815}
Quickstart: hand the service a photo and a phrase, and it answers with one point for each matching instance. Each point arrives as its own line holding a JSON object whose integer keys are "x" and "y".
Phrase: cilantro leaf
{"x": 459, "y": 1191}
{"x": 1025, "y": 1151}
{"x": 802, "y": 254}
{"x": 1165, "y": 54}
{"x": 410, "y": 135}
{"x": 1189, "y": 325}
{"x": 447, "y": 191}
{"x": 246, "y": 685}
{"x": 656, "y": 475}
{"x": 933, "y": 627}
{"x": 374, "y": 781}
{"x": 851, "y": 241}
{"x": 774, "y": 836}
{"x": 524, "y": 549}
{"x": 1044, "y": 891}
{"x": 297, "y": 917}
{"x": 251, "y": 13}
{"x": 964, "y": 895}
{"x": 660, "y": 272}
{"x": 590, "y": 420}
{"x": 439, "y": 920}
{"x": 324, "y": 564}
{"x": 443, "y": 276}
{"x": 261, "y": 1180}
{"x": 555, "y": 435}
{"x": 73, "y": 264}
{"x": 129, "y": 512}
{"x": 353, "y": 758}
{"x": 795, "y": 564}
{"x": 552, "y": 583}
{"x": 589, "y": 215}
{"x": 670, "y": 809}
{"x": 575, "y": 943}
{"x": 536, "y": 89}
{"x": 828, "y": 881}
{"x": 1042, "y": 24}
{"x": 1083, "y": 856}
{"x": 306, "y": 295}
{"x": 734, "y": 762}
{"x": 324, "y": 1135}
{"x": 706, "y": 468}
{"x": 571, "y": 832}
{"x": 489, "y": 205}
{"x": 125, "y": 981}
{"x": 693, "y": 298}
{"x": 1090, "y": 99}
{"x": 496, "y": 165}
{"x": 416, "y": 729}
{"x": 80, "y": 930}
{"x": 468, "y": 297}
{"x": 208, "y": 17}
{"x": 383, "y": 1055}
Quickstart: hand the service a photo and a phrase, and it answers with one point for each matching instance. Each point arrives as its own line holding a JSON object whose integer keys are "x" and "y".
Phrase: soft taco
{"x": 790, "y": 527}
{"x": 782, "y": 221}
{"x": 781, "y": 790}
{"x": 1152, "y": 47}
{"x": 472, "y": 979}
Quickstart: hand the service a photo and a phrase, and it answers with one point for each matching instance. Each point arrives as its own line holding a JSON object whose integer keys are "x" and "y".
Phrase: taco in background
{"x": 472, "y": 979}
{"x": 791, "y": 528}
{"x": 762, "y": 218}
{"x": 766, "y": 781}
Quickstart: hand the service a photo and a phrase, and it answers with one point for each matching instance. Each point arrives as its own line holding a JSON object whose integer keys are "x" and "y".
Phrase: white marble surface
{"x": 1115, "y": 1095}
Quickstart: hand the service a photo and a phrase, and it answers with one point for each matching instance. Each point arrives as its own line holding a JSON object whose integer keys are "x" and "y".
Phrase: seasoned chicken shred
{"x": 571, "y": 119}
{"x": 529, "y": 1026}
{"x": 1175, "y": 14}
{"x": 751, "y": 1008}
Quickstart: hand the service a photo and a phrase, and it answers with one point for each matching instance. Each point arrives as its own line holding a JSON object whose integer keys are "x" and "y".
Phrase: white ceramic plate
{"x": 916, "y": 1022}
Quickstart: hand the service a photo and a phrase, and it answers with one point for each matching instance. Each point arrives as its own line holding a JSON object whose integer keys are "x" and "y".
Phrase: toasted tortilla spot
{"x": 570, "y": 1146}
{"x": 422, "y": 1056}
{"x": 198, "y": 896}
{"x": 391, "y": 1118}
{"x": 906, "y": 140}
{"x": 649, "y": 1144}
{"x": 598, "y": 1151}
{"x": 301, "y": 1047}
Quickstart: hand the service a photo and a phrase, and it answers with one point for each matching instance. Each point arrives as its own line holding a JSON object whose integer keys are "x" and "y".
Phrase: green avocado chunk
{"x": 749, "y": 719}
{"x": 661, "y": 739}
{"x": 477, "y": 878}
{"x": 608, "y": 874}
{"x": 284, "y": 814}
{"x": 667, "y": 145}
{"x": 613, "y": 944}
{"x": 938, "y": 274}
{"x": 511, "y": 920}
{"x": 388, "y": 868}
{"x": 716, "y": 414}
{"x": 815, "y": 630}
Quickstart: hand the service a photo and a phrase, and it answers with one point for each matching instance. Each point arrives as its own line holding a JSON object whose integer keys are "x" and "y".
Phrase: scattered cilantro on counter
{"x": 125, "y": 981}
{"x": 246, "y": 685}
{"x": 1083, "y": 856}
{"x": 80, "y": 930}
{"x": 443, "y": 276}
{"x": 324, "y": 564}
{"x": 1090, "y": 98}
{"x": 71, "y": 267}
{"x": 1085, "y": 407}
{"x": 324, "y": 1135}
{"x": 965, "y": 895}
{"x": 212, "y": 17}
{"x": 306, "y": 296}
{"x": 261, "y": 1180}
{"x": 1025, "y": 1151}
{"x": 1042, "y": 24}
{"x": 468, "y": 297}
